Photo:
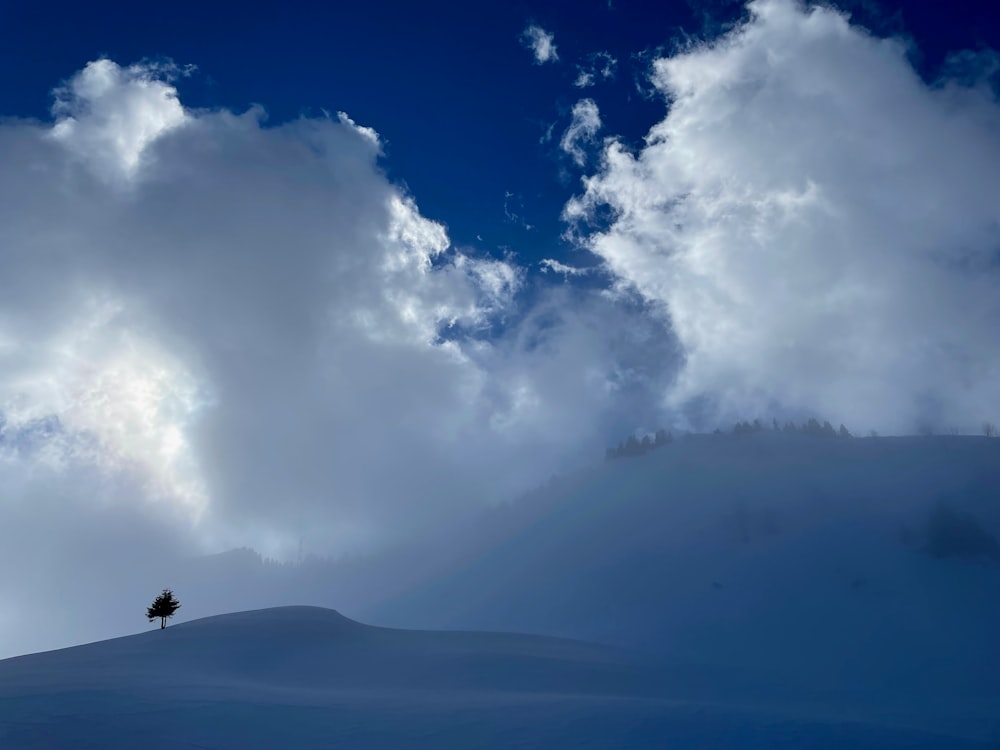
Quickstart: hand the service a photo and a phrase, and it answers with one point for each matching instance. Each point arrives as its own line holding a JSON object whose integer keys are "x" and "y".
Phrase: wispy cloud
{"x": 513, "y": 208}
{"x": 583, "y": 127}
{"x": 541, "y": 44}
{"x": 554, "y": 266}
{"x": 599, "y": 66}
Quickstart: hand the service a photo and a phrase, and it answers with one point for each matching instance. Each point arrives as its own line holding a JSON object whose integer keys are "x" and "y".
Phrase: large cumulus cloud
{"x": 215, "y": 332}
{"x": 821, "y": 224}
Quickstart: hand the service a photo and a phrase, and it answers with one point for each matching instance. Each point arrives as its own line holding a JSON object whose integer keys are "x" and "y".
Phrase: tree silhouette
{"x": 163, "y": 606}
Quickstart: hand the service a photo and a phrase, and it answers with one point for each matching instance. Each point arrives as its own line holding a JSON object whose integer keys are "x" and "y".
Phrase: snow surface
{"x": 306, "y": 677}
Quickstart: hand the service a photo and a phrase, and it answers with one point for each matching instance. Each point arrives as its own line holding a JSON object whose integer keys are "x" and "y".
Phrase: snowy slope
{"x": 303, "y": 677}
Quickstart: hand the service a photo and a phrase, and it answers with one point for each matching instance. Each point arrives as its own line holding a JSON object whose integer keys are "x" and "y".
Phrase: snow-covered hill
{"x": 304, "y": 677}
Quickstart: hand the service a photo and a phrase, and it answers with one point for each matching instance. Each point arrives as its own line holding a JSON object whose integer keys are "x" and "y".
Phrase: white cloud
{"x": 261, "y": 339}
{"x": 555, "y": 266}
{"x": 246, "y": 270}
{"x": 583, "y": 127}
{"x": 365, "y": 132}
{"x": 498, "y": 281}
{"x": 820, "y": 224}
{"x": 540, "y": 42}
{"x": 599, "y": 66}
{"x": 109, "y": 115}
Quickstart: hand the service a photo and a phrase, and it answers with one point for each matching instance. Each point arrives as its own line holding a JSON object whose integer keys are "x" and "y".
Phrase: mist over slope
{"x": 817, "y": 592}
{"x": 836, "y": 563}
{"x": 803, "y": 557}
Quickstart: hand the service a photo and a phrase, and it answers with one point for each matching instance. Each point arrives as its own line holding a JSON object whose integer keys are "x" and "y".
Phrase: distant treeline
{"x": 633, "y": 446}
{"x": 811, "y": 427}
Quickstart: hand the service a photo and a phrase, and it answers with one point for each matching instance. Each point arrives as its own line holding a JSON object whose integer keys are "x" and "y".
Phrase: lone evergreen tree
{"x": 163, "y": 606}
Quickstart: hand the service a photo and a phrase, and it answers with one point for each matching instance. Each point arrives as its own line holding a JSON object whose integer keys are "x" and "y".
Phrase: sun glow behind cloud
{"x": 249, "y": 321}
{"x": 122, "y": 404}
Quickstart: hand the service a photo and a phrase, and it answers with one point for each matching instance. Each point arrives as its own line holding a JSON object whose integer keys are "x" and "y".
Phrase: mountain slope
{"x": 798, "y": 561}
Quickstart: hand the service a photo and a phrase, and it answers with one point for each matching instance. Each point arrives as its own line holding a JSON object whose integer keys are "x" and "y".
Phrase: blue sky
{"x": 233, "y": 315}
